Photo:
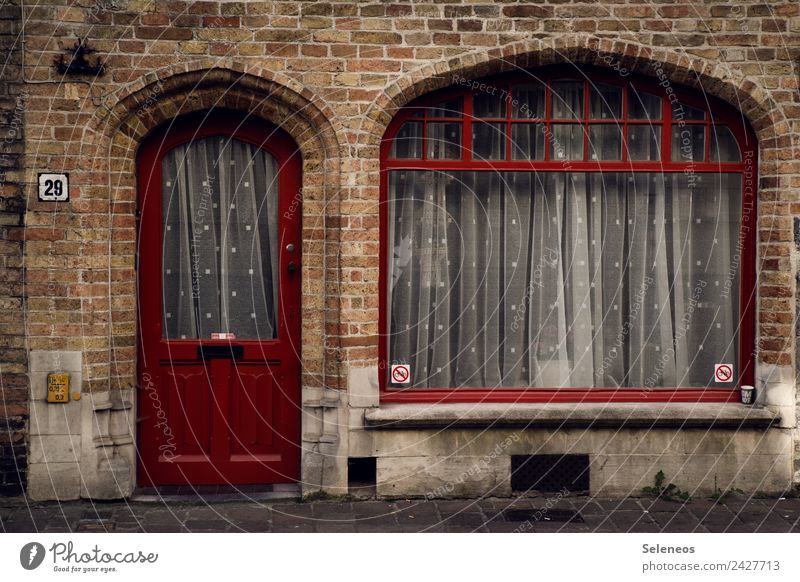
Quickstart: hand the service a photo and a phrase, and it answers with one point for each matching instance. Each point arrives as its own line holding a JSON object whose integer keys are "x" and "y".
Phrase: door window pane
{"x": 220, "y": 240}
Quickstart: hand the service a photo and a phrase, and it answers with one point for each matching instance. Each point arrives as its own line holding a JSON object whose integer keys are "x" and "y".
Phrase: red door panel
{"x": 218, "y": 411}
{"x": 253, "y": 422}
{"x": 188, "y": 411}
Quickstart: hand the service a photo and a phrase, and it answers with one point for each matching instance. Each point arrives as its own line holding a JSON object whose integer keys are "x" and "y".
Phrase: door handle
{"x": 291, "y": 267}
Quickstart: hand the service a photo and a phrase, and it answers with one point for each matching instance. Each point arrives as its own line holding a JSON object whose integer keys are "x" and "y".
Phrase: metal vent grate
{"x": 550, "y": 473}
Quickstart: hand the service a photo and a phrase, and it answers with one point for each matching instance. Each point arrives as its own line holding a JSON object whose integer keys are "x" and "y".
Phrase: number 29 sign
{"x": 53, "y": 187}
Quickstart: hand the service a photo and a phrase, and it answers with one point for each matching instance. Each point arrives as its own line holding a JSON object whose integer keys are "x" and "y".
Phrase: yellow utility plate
{"x": 58, "y": 388}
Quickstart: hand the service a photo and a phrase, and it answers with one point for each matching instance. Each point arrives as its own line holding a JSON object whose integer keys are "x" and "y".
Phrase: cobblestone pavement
{"x": 576, "y": 514}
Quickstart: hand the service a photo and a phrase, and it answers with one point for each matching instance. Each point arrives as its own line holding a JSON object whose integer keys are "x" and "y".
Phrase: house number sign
{"x": 53, "y": 187}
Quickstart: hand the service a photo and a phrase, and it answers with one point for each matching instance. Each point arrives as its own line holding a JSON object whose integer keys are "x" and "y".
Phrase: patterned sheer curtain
{"x": 563, "y": 279}
{"x": 220, "y": 255}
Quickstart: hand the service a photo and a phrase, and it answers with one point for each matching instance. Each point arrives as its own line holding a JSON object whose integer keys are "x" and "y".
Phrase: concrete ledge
{"x": 579, "y": 415}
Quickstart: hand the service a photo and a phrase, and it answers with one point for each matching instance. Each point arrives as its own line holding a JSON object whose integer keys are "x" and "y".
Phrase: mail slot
{"x": 220, "y": 352}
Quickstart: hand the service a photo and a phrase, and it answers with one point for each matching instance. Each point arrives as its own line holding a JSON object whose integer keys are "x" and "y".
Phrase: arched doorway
{"x": 218, "y": 267}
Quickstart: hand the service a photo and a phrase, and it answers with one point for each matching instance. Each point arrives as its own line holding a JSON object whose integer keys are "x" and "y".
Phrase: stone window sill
{"x": 579, "y": 415}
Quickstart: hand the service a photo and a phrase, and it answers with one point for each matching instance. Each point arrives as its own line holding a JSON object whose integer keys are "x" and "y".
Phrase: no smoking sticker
{"x": 723, "y": 373}
{"x": 401, "y": 374}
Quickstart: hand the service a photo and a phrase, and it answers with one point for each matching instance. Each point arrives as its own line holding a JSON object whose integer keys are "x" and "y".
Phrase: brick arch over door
{"x": 777, "y": 144}
{"x": 112, "y": 142}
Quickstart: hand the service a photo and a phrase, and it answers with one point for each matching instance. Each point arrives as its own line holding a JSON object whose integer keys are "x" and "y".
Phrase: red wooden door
{"x": 212, "y": 410}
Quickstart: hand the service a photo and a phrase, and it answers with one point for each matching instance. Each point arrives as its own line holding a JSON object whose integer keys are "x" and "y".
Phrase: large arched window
{"x": 566, "y": 235}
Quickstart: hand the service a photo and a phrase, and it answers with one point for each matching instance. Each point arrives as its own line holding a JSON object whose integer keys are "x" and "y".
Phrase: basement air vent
{"x": 361, "y": 472}
{"x": 550, "y": 473}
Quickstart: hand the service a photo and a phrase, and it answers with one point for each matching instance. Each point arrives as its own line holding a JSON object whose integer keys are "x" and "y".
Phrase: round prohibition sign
{"x": 723, "y": 373}
{"x": 400, "y": 374}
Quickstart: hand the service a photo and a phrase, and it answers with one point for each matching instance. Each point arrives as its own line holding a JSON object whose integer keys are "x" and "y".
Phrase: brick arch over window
{"x": 776, "y": 143}
{"x": 715, "y": 78}
{"x": 111, "y": 145}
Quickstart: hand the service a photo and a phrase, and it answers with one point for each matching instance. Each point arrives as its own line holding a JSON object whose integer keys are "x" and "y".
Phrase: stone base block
{"x": 436, "y": 477}
{"x": 55, "y": 449}
{"x": 54, "y": 419}
{"x": 54, "y": 481}
{"x": 418, "y": 463}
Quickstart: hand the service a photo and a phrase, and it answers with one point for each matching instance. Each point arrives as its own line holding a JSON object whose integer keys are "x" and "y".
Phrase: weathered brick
{"x": 376, "y": 37}
{"x": 221, "y": 21}
{"x": 528, "y": 11}
{"x": 162, "y": 33}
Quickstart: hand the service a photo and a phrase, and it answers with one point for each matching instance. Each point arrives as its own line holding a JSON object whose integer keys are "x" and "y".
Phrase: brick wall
{"x": 13, "y": 369}
{"x": 337, "y": 71}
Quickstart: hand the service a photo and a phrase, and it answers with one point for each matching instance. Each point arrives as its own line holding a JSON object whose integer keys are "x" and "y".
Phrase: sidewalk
{"x": 576, "y": 514}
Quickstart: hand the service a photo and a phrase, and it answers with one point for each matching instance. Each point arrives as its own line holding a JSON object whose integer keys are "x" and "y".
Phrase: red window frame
{"x": 723, "y": 114}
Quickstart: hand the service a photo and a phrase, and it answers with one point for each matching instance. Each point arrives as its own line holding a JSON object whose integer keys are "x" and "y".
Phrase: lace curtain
{"x": 559, "y": 279}
{"x": 220, "y": 254}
